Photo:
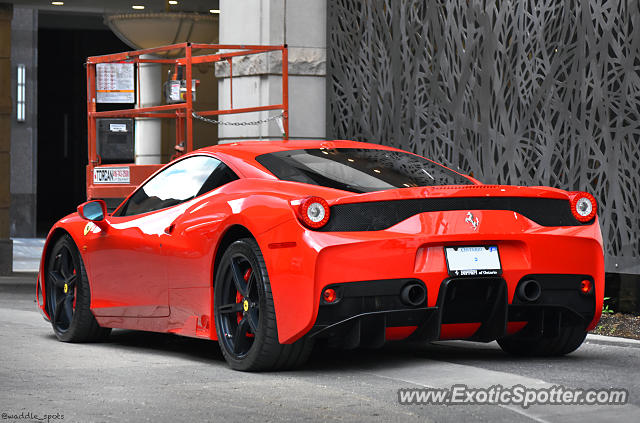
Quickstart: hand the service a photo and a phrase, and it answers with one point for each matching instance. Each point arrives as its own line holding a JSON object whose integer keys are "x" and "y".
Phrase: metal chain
{"x": 246, "y": 123}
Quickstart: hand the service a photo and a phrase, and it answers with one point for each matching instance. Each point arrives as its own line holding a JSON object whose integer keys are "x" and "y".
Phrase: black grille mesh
{"x": 380, "y": 215}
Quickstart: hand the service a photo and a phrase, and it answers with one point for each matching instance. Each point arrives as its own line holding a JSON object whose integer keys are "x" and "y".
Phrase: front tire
{"x": 568, "y": 340}
{"x": 245, "y": 316}
{"x": 68, "y": 295}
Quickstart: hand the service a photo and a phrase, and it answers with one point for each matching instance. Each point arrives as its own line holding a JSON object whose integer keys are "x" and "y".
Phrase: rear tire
{"x": 68, "y": 295}
{"x": 245, "y": 316}
{"x": 569, "y": 340}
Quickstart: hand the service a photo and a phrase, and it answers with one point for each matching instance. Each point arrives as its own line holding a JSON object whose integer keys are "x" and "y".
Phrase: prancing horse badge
{"x": 473, "y": 221}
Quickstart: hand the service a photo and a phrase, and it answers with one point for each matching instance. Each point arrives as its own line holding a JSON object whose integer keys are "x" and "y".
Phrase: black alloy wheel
{"x": 62, "y": 275}
{"x": 240, "y": 308}
{"x": 569, "y": 339}
{"x": 244, "y": 314}
{"x": 68, "y": 296}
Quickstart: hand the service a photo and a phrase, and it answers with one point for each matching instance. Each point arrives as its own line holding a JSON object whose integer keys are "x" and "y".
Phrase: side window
{"x": 178, "y": 183}
{"x": 220, "y": 176}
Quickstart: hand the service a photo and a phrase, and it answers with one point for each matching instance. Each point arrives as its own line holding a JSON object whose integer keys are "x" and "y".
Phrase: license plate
{"x": 473, "y": 261}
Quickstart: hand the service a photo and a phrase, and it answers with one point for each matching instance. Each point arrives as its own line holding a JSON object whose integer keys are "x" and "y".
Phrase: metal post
{"x": 189, "y": 100}
{"x": 285, "y": 91}
{"x": 230, "y": 82}
{"x": 91, "y": 107}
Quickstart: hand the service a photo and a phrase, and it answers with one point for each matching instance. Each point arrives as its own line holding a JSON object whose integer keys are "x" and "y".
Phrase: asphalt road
{"x": 137, "y": 376}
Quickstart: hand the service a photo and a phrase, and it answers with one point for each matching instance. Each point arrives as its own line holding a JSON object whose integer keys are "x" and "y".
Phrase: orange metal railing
{"x": 181, "y": 112}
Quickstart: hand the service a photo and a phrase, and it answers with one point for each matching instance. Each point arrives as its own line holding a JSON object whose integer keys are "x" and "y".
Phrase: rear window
{"x": 358, "y": 170}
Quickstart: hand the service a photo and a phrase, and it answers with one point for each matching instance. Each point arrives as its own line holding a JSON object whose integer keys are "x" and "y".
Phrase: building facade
{"x": 525, "y": 93}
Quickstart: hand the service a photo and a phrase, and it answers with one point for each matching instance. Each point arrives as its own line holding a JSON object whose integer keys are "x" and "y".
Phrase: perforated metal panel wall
{"x": 516, "y": 92}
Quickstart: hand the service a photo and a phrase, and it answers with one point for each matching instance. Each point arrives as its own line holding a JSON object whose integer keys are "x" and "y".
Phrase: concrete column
{"x": 257, "y": 79}
{"x": 24, "y": 140}
{"x": 6, "y": 103}
{"x": 148, "y": 131}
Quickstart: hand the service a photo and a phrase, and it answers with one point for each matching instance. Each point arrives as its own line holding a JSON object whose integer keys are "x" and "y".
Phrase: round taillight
{"x": 329, "y": 295}
{"x": 586, "y": 286}
{"x": 583, "y": 206}
{"x": 314, "y": 212}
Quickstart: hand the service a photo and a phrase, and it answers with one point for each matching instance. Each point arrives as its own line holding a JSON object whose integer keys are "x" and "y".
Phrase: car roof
{"x": 257, "y": 148}
{"x": 241, "y": 156}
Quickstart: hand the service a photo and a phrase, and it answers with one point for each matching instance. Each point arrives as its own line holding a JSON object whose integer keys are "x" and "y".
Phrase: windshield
{"x": 358, "y": 170}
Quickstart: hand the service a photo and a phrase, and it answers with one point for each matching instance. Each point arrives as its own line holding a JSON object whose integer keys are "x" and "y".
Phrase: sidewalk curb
{"x": 19, "y": 279}
{"x": 612, "y": 340}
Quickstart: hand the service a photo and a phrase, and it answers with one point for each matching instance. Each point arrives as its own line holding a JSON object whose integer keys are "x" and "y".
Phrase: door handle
{"x": 169, "y": 229}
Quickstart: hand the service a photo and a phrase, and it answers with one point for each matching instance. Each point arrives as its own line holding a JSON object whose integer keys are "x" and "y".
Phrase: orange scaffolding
{"x": 183, "y": 112}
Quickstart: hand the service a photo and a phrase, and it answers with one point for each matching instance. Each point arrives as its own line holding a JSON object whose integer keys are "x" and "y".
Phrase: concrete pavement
{"x": 136, "y": 376}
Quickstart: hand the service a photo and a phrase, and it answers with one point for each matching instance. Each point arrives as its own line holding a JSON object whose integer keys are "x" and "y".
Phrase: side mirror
{"x": 94, "y": 211}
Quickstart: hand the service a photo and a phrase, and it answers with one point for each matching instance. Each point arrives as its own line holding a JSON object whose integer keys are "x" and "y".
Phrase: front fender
{"x": 72, "y": 225}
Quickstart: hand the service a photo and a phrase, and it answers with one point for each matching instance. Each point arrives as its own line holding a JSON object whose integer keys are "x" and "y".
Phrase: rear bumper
{"x": 370, "y": 313}
{"x": 414, "y": 250}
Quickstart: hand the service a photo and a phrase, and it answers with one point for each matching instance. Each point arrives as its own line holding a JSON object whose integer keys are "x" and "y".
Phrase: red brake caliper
{"x": 239, "y": 297}
{"x": 75, "y": 291}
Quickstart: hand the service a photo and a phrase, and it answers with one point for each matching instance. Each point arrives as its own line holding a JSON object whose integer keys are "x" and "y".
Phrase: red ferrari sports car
{"x": 267, "y": 247}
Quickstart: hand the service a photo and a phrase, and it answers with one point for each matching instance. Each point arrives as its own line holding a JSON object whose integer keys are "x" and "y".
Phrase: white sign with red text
{"x": 111, "y": 175}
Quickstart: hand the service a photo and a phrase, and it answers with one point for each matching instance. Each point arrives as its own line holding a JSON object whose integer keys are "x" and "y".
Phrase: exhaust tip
{"x": 413, "y": 294}
{"x": 529, "y": 290}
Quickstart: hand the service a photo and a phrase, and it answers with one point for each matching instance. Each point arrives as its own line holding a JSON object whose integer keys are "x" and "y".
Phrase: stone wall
{"x": 6, "y": 248}
{"x": 24, "y": 140}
